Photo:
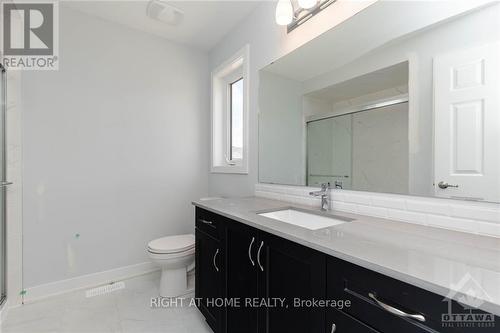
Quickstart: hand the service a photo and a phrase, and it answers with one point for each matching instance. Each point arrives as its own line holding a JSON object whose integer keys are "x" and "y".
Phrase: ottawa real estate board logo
{"x": 30, "y": 39}
{"x": 463, "y": 314}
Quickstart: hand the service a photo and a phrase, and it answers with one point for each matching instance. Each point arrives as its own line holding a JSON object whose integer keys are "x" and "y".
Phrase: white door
{"x": 467, "y": 123}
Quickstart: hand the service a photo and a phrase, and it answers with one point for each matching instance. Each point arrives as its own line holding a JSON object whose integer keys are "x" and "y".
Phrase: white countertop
{"x": 448, "y": 263}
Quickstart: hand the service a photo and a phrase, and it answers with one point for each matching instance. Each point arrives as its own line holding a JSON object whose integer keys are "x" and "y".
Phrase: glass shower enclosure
{"x": 3, "y": 182}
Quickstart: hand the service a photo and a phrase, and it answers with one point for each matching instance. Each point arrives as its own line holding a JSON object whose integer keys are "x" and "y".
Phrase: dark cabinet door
{"x": 241, "y": 277}
{"x": 209, "y": 278}
{"x": 297, "y": 275}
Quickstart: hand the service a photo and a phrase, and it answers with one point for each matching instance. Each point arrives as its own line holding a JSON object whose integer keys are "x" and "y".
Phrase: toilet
{"x": 174, "y": 255}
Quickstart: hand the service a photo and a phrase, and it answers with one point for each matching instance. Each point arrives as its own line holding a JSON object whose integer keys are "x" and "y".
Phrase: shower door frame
{"x": 3, "y": 187}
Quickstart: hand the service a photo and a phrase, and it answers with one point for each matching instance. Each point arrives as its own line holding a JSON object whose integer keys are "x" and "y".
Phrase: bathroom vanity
{"x": 383, "y": 277}
{"x": 403, "y": 110}
{"x": 367, "y": 139}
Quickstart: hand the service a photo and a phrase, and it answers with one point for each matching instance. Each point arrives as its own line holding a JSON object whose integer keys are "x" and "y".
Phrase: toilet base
{"x": 173, "y": 282}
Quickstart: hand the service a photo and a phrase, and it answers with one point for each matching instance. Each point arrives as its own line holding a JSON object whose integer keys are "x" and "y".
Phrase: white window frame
{"x": 233, "y": 69}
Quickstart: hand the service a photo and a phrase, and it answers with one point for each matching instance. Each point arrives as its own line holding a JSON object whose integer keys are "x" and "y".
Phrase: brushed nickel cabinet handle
{"x": 334, "y": 328}
{"x": 205, "y": 221}
{"x": 250, "y": 251}
{"x": 215, "y": 256}
{"x": 258, "y": 255}
{"x": 396, "y": 311}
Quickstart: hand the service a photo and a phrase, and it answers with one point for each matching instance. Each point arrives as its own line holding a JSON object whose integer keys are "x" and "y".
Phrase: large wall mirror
{"x": 411, "y": 107}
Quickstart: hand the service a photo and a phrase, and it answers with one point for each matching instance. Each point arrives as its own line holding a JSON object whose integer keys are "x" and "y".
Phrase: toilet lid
{"x": 172, "y": 244}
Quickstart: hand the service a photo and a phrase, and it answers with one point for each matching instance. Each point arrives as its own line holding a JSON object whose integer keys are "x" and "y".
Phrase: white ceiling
{"x": 382, "y": 79}
{"x": 204, "y": 24}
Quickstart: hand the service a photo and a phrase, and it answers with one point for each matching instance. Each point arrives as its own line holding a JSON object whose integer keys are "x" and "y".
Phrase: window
{"x": 236, "y": 120}
{"x": 229, "y": 115}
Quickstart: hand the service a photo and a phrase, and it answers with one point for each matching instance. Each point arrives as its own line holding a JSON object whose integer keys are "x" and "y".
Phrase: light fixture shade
{"x": 284, "y": 12}
{"x": 306, "y": 4}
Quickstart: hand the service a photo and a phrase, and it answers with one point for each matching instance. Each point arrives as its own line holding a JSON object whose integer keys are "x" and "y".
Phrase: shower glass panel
{"x": 365, "y": 150}
{"x": 3, "y": 183}
{"x": 329, "y": 151}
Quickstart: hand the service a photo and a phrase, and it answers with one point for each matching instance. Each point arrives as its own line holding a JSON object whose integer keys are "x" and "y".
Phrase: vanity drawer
{"x": 364, "y": 288}
{"x": 209, "y": 222}
{"x": 340, "y": 322}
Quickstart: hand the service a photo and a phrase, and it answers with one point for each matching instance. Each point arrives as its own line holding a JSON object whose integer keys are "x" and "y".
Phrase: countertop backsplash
{"x": 466, "y": 216}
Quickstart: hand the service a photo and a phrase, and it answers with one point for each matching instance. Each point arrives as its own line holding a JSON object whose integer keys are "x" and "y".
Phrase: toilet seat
{"x": 172, "y": 244}
{"x": 170, "y": 256}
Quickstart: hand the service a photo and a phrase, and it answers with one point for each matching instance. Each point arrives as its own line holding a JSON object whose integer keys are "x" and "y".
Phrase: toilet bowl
{"x": 173, "y": 254}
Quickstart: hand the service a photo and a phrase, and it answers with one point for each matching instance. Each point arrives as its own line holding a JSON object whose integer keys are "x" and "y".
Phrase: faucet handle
{"x": 325, "y": 186}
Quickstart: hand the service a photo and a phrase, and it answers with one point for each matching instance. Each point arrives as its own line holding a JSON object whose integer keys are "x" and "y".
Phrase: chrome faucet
{"x": 325, "y": 196}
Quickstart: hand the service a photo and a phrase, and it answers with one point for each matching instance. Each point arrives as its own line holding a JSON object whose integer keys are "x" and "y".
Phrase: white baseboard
{"x": 87, "y": 281}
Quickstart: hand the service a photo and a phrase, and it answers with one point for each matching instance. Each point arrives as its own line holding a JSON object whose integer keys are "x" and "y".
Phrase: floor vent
{"x": 109, "y": 288}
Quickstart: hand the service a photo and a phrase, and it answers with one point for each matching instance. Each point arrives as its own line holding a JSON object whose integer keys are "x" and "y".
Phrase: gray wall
{"x": 114, "y": 148}
{"x": 281, "y": 131}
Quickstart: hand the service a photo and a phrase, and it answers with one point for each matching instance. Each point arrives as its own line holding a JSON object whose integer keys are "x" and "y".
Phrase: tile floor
{"x": 126, "y": 310}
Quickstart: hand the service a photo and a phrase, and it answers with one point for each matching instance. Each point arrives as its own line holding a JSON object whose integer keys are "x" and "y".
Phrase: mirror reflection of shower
{"x": 354, "y": 127}
{"x": 352, "y": 134}
{"x": 349, "y": 150}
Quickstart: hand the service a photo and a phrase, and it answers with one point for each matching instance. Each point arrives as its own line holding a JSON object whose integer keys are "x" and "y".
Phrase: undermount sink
{"x": 305, "y": 219}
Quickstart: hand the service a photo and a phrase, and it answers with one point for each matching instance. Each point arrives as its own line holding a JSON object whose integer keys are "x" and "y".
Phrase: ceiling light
{"x": 284, "y": 12}
{"x": 307, "y": 4}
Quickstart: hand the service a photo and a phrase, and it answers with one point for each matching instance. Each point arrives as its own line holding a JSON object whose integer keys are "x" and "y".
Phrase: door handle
{"x": 258, "y": 255}
{"x": 444, "y": 185}
{"x": 205, "y": 221}
{"x": 396, "y": 311}
{"x": 215, "y": 257}
{"x": 334, "y": 328}
{"x": 5, "y": 184}
{"x": 250, "y": 251}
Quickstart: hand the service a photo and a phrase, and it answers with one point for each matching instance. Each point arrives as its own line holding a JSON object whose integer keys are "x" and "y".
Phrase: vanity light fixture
{"x": 293, "y": 13}
{"x": 307, "y": 4}
{"x": 284, "y": 12}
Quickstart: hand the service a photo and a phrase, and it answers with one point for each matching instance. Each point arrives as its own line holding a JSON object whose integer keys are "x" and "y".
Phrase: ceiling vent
{"x": 163, "y": 12}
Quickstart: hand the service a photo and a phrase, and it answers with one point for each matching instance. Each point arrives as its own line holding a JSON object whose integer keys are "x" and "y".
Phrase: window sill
{"x": 235, "y": 169}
